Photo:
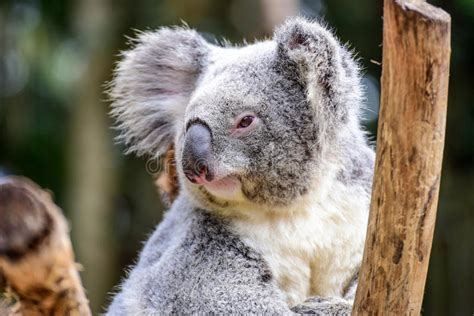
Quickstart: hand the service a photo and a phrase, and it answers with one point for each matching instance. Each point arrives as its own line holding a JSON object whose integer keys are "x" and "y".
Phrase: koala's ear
{"x": 324, "y": 66}
{"x": 152, "y": 86}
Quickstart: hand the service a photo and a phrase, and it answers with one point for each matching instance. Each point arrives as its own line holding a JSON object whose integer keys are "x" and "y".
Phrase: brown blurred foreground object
{"x": 415, "y": 72}
{"x": 37, "y": 265}
{"x": 167, "y": 179}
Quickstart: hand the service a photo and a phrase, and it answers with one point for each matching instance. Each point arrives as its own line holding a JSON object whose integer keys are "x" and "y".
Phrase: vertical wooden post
{"x": 416, "y": 52}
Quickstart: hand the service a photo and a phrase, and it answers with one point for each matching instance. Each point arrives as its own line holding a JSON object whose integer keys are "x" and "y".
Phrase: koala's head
{"x": 258, "y": 124}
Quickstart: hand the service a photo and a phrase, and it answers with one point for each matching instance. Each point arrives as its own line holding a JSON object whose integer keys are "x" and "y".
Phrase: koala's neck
{"x": 316, "y": 245}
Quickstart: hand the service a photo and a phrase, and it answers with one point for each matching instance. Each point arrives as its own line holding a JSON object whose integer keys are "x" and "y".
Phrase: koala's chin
{"x": 218, "y": 193}
{"x": 227, "y": 188}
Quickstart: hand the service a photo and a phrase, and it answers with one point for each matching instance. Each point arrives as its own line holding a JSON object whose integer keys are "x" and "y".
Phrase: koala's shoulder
{"x": 192, "y": 263}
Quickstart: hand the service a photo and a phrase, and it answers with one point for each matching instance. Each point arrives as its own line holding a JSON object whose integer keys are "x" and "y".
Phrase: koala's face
{"x": 248, "y": 124}
{"x": 249, "y": 130}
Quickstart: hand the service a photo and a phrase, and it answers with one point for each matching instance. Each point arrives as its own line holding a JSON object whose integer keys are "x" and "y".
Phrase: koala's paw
{"x": 324, "y": 306}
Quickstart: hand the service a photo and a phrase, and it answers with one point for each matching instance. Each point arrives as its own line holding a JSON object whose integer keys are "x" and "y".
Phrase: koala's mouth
{"x": 227, "y": 187}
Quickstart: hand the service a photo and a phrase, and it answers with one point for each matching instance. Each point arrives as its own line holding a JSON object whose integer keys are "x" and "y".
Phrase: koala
{"x": 273, "y": 166}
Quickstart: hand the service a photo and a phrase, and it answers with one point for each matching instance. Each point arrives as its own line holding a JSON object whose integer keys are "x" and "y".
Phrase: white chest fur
{"x": 314, "y": 249}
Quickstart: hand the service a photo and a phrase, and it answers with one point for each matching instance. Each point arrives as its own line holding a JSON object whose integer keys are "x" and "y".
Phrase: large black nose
{"x": 197, "y": 153}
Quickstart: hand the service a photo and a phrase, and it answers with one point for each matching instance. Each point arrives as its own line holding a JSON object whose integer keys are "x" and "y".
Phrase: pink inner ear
{"x": 298, "y": 39}
{"x": 169, "y": 92}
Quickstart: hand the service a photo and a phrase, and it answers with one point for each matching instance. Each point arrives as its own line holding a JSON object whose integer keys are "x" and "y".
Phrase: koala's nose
{"x": 197, "y": 154}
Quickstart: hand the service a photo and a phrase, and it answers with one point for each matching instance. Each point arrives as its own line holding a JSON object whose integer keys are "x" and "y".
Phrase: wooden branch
{"x": 167, "y": 180}
{"x": 416, "y": 52}
{"x": 36, "y": 257}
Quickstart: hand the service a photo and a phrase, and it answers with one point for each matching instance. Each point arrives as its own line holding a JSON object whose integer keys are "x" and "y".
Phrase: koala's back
{"x": 193, "y": 264}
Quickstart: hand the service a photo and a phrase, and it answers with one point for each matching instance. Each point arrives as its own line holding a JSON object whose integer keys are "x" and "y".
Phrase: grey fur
{"x": 198, "y": 268}
{"x": 324, "y": 306}
{"x": 193, "y": 264}
{"x": 305, "y": 88}
{"x": 152, "y": 87}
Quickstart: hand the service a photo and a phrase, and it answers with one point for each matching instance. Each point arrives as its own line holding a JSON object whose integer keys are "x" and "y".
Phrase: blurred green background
{"x": 55, "y": 57}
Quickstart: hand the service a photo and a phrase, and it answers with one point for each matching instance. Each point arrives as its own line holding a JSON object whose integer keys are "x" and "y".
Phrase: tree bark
{"x": 416, "y": 52}
{"x": 92, "y": 172}
{"x": 36, "y": 257}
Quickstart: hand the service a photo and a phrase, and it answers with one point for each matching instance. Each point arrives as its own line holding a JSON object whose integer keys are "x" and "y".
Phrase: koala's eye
{"x": 245, "y": 121}
{"x": 244, "y": 124}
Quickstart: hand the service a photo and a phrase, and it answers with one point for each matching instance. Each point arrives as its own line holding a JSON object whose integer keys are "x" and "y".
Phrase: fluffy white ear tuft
{"x": 152, "y": 86}
{"x": 325, "y": 66}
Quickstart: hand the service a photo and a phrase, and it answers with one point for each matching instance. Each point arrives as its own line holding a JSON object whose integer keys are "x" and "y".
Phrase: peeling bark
{"x": 416, "y": 52}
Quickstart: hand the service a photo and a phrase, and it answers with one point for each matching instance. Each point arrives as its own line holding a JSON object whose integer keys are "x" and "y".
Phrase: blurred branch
{"x": 36, "y": 257}
{"x": 91, "y": 174}
{"x": 276, "y": 11}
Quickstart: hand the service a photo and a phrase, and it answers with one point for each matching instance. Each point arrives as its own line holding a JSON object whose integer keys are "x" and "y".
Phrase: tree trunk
{"x": 36, "y": 257}
{"x": 92, "y": 176}
{"x": 416, "y": 52}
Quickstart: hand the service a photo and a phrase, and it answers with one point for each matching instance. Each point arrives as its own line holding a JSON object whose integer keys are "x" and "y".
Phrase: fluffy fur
{"x": 291, "y": 231}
